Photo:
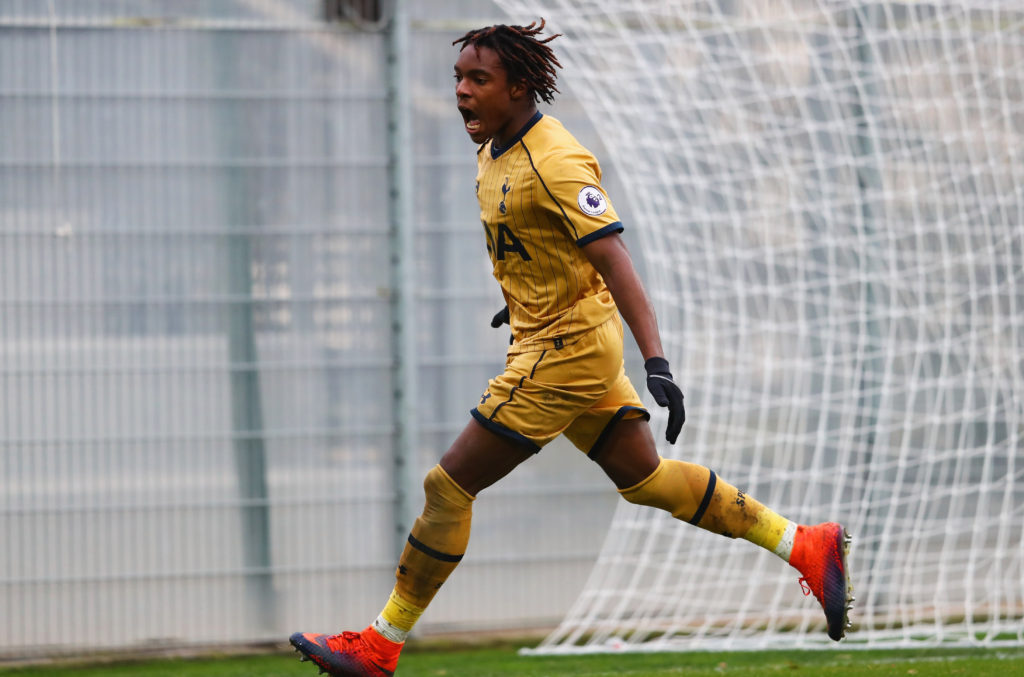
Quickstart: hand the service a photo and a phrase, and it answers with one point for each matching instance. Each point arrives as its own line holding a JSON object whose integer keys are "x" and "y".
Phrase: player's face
{"x": 485, "y": 98}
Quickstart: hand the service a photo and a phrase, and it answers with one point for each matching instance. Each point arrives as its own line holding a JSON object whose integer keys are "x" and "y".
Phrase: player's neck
{"x": 512, "y": 128}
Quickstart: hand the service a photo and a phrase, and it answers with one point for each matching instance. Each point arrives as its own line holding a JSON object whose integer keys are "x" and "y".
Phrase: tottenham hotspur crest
{"x": 592, "y": 201}
{"x": 505, "y": 188}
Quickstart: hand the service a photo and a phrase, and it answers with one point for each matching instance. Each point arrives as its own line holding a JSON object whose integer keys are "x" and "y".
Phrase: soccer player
{"x": 553, "y": 238}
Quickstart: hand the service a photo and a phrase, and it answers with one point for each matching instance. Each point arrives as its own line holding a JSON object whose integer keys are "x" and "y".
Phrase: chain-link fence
{"x": 196, "y": 360}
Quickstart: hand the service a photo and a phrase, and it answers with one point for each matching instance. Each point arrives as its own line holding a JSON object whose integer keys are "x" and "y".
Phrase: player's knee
{"x": 650, "y": 490}
{"x": 443, "y": 493}
{"x": 675, "y": 486}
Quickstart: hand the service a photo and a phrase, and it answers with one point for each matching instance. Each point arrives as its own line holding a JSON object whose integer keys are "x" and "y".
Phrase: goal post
{"x": 829, "y": 201}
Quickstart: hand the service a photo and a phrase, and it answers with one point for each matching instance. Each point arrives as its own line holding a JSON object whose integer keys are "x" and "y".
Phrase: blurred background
{"x": 245, "y": 304}
{"x": 226, "y": 358}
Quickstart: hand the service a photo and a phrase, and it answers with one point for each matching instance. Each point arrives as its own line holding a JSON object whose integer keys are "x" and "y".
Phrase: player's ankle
{"x": 381, "y": 645}
{"x": 386, "y": 630}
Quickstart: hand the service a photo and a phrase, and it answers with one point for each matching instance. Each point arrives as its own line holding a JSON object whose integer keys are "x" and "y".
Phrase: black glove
{"x": 500, "y": 318}
{"x": 666, "y": 394}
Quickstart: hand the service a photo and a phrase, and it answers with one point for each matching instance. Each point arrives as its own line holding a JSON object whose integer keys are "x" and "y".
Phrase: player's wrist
{"x": 657, "y": 365}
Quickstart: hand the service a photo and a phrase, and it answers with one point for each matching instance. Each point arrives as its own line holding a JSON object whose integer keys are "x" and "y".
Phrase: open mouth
{"x": 471, "y": 120}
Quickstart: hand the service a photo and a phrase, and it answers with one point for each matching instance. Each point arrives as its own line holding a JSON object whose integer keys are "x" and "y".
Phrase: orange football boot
{"x": 350, "y": 654}
{"x": 819, "y": 553}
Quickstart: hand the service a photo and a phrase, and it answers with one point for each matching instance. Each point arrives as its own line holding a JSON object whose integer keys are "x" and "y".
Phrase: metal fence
{"x": 197, "y": 357}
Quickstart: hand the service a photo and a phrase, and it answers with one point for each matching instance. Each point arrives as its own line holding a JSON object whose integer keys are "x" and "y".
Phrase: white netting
{"x": 830, "y": 200}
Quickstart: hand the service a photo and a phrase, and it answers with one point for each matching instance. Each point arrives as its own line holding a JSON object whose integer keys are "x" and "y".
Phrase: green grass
{"x": 504, "y": 662}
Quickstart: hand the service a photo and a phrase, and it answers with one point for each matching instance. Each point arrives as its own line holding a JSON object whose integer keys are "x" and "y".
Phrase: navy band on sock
{"x": 708, "y": 493}
{"x": 436, "y": 554}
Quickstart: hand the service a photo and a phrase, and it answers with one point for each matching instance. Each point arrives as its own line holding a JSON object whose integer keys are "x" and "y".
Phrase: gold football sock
{"x": 772, "y": 532}
{"x": 397, "y": 618}
{"x": 694, "y": 494}
{"x": 435, "y": 547}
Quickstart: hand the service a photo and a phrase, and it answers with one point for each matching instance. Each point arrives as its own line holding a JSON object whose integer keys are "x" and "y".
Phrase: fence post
{"x": 243, "y": 361}
{"x": 403, "y": 272}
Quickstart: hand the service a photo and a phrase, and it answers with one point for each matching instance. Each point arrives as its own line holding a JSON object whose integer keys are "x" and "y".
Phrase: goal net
{"x": 829, "y": 201}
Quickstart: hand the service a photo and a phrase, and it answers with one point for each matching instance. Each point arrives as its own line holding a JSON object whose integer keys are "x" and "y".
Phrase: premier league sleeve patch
{"x": 592, "y": 201}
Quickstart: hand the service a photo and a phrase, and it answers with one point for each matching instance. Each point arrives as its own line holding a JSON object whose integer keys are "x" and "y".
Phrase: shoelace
{"x": 337, "y": 642}
{"x": 804, "y": 586}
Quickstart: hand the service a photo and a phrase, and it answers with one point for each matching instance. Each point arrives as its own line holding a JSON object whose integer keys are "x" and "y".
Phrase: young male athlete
{"x": 553, "y": 238}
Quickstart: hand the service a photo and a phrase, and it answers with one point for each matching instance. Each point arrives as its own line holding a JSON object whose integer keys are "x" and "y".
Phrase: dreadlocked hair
{"x": 525, "y": 58}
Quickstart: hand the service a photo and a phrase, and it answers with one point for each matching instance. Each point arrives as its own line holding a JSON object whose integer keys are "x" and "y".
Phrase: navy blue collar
{"x": 496, "y": 152}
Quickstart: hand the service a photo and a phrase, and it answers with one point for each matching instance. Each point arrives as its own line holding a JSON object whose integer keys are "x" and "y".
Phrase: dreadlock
{"x": 525, "y": 58}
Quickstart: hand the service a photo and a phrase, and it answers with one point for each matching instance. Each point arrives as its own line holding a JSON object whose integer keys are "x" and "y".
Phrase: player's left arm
{"x": 610, "y": 257}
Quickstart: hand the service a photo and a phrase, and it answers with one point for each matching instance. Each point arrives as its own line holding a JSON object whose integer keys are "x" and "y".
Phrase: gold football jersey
{"x": 540, "y": 201}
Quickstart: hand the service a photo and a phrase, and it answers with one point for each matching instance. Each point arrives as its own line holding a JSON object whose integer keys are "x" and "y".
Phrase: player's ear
{"x": 518, "y": 90}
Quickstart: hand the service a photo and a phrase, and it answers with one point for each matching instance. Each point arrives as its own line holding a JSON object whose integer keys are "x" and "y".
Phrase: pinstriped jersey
{"x": 540, "y": 201}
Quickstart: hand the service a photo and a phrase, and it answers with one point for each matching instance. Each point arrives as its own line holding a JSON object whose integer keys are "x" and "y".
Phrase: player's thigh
{"x": 478, "y": 458}
{"x": 609, "y": 421}
{"x": 629, "y": 454}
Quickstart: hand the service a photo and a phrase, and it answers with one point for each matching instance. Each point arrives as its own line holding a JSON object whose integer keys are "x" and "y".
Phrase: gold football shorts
{"x": 580, "y": 389}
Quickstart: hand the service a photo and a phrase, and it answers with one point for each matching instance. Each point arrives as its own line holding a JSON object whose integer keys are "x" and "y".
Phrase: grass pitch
{"x": 505, "y": 662}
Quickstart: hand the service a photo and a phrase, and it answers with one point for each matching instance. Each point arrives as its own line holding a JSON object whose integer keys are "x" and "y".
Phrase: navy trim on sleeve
{"x": 616, "y": 227}
{"x": 501, "y": 430}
